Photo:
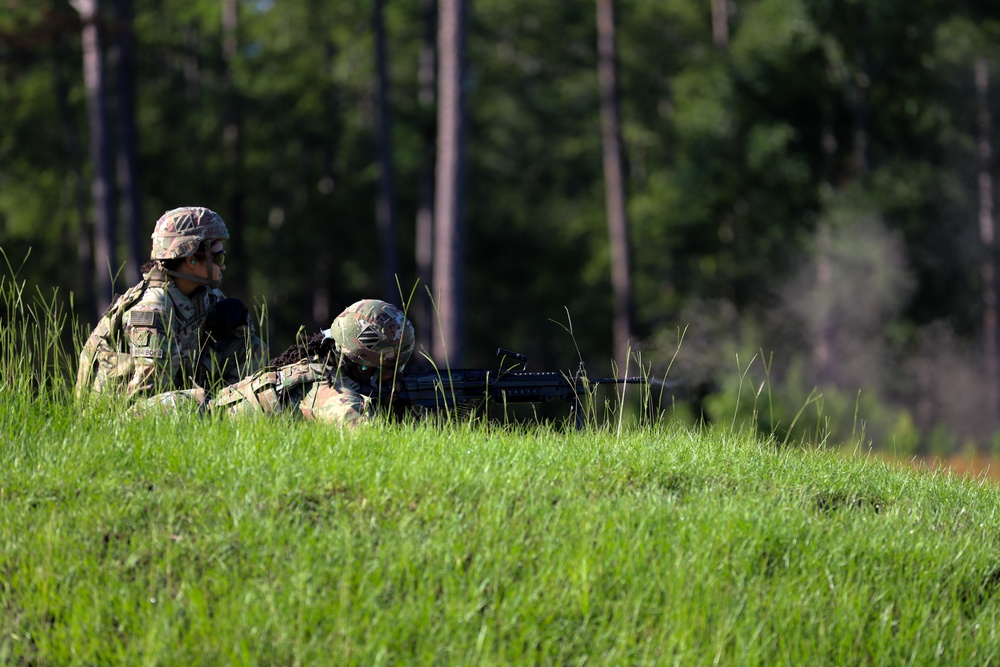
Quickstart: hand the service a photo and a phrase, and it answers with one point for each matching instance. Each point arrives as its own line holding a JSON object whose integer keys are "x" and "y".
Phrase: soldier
{"x": 175, "y": 330}
{"x": 336, "y": 375}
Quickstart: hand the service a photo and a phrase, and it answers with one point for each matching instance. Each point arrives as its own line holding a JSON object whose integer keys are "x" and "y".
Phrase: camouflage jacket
{"x": 309, "y": 388}
{"x": 152, "y": 339}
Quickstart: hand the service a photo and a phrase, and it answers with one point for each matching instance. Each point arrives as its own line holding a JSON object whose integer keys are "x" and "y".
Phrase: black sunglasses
{"x": 218, "y": 258}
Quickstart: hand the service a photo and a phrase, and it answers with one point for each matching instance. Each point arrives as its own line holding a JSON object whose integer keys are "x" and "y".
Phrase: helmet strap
{"x": 195, "y": 279}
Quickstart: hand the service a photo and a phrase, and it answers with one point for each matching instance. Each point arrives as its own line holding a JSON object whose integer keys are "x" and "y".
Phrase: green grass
{"x": 204, "y": 541}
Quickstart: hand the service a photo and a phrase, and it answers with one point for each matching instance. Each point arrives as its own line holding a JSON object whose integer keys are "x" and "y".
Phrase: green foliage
{"x": 774, "y": 35}
{"x": 815, "y": 114}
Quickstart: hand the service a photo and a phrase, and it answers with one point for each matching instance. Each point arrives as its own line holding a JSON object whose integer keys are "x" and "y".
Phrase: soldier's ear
{"x": 191, "y": 261}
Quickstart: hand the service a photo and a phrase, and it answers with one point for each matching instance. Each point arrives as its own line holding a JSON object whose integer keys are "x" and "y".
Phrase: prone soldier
{"x": 336, "y": 376}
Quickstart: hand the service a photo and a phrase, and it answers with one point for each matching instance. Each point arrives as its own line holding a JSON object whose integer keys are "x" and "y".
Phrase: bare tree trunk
{"x": 858, "y": 98}
{"x": 128, "y": 140}
{"x": 232, "y": 135}
{"x": 423, "y": 315}
{"x": 614, "y": 181}
{"x": 822, "y": 332}
{"x": 105, "y": 237}
{"x": 448, "y": 228}
{"x": 322, "y": 267}
{"x": 987, "y": 233}
{"x": 728, "y": 220}
{"x": 189, "y": 65}
{"x": 385, "y": 208}
{"x": 720, "y": 23}
{"x": 85, "y": 257}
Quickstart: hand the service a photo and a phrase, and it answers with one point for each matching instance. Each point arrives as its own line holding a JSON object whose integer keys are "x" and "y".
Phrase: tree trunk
{"x": 323, "y": 266}
{"x": 987, "y": 233}
{"x": 423, "y": 312}
{"x": 822, "y": 331}
{"x": 128, "y": 141}
{"x": 190, "y": 66}
{"x": 858, "y": 99}
{"x": 720, "y": 23}
{"x": 448, "y": 227}
{"x": 85, "y": 256}
{"x": 232, "y": 136}
{"x": 385, "y": 208}
{"x": 105, "y": 237}
{"x": 729, "y": 220}
{"x": 614, "y": 182}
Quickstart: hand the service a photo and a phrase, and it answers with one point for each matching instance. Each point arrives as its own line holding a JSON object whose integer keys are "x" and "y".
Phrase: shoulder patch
{"x": 140, "y": 337}
{"x": 142, "y": 318}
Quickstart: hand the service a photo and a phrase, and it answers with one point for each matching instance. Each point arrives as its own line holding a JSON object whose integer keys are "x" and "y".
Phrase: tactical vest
{"x": 105, "y": 351}
{"x": 268, "y": 391}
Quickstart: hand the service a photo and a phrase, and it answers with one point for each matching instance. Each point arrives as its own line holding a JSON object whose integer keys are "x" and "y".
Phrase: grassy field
{"x": 199, "y": 541}
{"x": 203, "y": 541}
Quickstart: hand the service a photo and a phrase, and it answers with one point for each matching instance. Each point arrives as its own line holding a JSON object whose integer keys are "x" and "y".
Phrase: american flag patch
{"x": 142, "y": 318}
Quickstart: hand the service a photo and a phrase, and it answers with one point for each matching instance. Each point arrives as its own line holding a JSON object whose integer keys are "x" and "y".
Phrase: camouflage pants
{"x": 172, "y": 402}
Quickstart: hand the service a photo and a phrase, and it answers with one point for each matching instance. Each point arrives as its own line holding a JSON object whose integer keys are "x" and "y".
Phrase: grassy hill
{"x": 202, "y": 541}
{"x": 193, "y": 541}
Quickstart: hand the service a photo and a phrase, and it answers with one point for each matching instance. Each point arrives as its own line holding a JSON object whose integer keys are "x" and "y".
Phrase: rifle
{"x": 464, "y": 389}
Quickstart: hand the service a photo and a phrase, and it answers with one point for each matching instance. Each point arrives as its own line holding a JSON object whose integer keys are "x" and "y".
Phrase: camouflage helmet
{"x": 180, "y": 232}
{"x": 373, "y": 333}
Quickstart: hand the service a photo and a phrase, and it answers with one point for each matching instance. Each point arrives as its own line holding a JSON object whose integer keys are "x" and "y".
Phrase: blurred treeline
{"x": 810, "y": 183}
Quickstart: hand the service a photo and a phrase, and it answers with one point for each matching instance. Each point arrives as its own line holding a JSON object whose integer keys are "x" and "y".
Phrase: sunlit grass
{"x": 201, "y": 540}
{"x": 261, "y": 541}
{"x": 37, "y": 357}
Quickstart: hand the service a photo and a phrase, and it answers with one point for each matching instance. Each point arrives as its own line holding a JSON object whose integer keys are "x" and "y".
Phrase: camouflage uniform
{"x": 310, "y": 388}
{"x": 368, "y": 335}
{"x": 152, "y": 338}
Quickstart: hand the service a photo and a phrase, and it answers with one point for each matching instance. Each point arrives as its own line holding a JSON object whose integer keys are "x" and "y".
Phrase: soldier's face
{"x": 377, "y": 377}
{"x": 212, "y": 265}
{"x": 218, "y": 266}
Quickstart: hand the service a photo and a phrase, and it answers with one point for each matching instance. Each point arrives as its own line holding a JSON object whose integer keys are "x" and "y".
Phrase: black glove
{"x": 226, "y": 318}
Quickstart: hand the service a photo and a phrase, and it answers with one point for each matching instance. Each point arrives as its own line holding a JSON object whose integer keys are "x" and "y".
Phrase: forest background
{"x": 806, "y": 196}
